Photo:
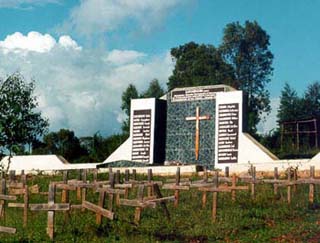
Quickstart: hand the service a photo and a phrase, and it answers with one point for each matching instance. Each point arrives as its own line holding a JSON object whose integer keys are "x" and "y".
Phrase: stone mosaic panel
{"x": 180, "y": 141}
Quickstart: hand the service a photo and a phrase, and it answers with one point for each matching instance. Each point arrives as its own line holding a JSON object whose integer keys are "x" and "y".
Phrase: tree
{"x": 246, "y": 49}
{"x": 64, "y": 143}
{"x": 311, "y": 101}
{"x": 130, "y": 93}
{"x": 198, "y": 65}
{"x": 154, "y": 90}
{"x": 20, "y": 123}
{"x": 290, "y": 105}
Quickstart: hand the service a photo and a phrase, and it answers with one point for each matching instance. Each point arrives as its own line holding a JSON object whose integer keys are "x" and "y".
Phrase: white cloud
{"x": 99, "y": 16}
{"x": 25, "y": 4}
{"x": 36, "y": 42}
{"x": 270, "y": 120}
{"x": 80, "y": 90}
{"x": 68, "y": 43}
{"x": 120, "y": 57}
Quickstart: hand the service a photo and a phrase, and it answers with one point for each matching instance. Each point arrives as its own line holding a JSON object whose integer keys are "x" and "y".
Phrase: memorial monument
{"x": 204, "y": 125}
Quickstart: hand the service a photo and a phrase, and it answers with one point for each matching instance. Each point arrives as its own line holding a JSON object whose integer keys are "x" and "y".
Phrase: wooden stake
{"x": 50, "y": 227}
{"x": 233, "y": 192}
{"x": 289, "y": 187}
{"x": 275, "y": 185}
{"x": 214, "y": 206}
{"x": 311, "y": 186}
{"x": 149, "y": 181}
{"x": 253, "y": 182}
{"x": 176, "y": 192}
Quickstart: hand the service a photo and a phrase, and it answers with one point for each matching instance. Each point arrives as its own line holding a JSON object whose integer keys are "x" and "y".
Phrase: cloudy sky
{"x": 83, "y": 54}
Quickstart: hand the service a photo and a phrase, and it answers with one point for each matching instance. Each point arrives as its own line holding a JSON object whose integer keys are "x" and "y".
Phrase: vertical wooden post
{"x": 12, "y": 174}
{"x": 275, "y": 185}
{"x": 295, "y": 177}
{"x": 126, "y": 175}
{"x": 204, "y": 199}
{"x": 226, "y": 171}
{"x": 311, "y": 186}
{"x": 84, "y": 190}
{"x": 149, "y": 182}
{"x": 253, "y": 181}
{"x": 289, "y": 187}
{"x": 111, "y": 182}
{"x": 214, "y": 206}
{"x": 101, "y": 204}
{"x": 205, "y": 174}
{"x": 23, "y": 178}
{"x": 216, "y": 178}
{"x": 138, "y": 210}
{"x": 2, "y": 202}
{"x": 95, "y": 175}
{"x": 110, "y": 170}
{"x": 78, "y": 188}
{"x": 50, "y": 226}
{"x": 117, "y": 178}
{"x": 176, "y": 192}
{"x": 234, "y": 183}
{"x": 65, "y": 195}
{"x": 25, "y": 206}
{"x": 134, "y": 174}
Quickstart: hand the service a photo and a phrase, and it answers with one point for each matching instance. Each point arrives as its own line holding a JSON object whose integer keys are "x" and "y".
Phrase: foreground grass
{"x": 264, "y": 219}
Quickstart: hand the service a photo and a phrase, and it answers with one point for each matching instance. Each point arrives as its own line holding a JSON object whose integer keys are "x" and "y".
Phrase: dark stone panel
{"x": 180, "y": 142}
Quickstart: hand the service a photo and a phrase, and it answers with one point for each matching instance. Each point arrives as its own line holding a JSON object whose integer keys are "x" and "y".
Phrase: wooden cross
{"x": 197, "y": 118}
{"x": 51, "y": 207}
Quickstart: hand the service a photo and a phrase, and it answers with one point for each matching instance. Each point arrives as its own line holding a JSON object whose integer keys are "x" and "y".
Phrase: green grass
{"x": 264, "y": 219}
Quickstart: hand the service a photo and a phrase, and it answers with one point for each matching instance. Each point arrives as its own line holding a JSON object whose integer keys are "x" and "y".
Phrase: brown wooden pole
{"x": 84, "y": 190}
{"x": 2, "y": 202}
{"x": 101, "y": 204}
{"x": 289, "y": 187}
{"x": 275, "y": 185}
{"x": 295, "y": 178}
{"x": 25, "y": 207}
{"x": 78, "y": 188}
{"x": 234, "y": 183}
{"x": 214, "y": 206}
{"x": 127, "y": 175}
{"x": 176, "y": 192}
{"x": 226, "y": 171}
{"x": 95, "y": 175}
{"x": 204, "y": 199}
{"x": 149, "y": 181}
{"x": 311, "y": 186}
{"x": 134, "y": 174}
{"x": 50, "y": 225}
{"x": 111, "y": 182}
{"x": 253, "y": 181}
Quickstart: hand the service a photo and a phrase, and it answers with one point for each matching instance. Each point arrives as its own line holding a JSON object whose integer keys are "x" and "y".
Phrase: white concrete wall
{"x": 249, "y": 150}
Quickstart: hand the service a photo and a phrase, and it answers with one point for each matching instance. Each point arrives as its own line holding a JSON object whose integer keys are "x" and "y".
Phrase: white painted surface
{"x": 156, "y": 170}
{"x": 249, "y": 150}
{"x": 34, "y": 163}
{"x": 123, "y": 152}
{"x": 144, "y": 104}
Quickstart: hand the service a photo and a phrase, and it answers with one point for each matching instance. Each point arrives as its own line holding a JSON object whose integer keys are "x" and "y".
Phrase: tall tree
{"x": 154, "y": 90}
{"x": 290, "y": 105}
{"x": 311, "y": 101}
{"x": 20, "y": 123}
{"x": 246, "y": 48}
{"x": 198, "y": 65}
{"x": 130, "y": 93}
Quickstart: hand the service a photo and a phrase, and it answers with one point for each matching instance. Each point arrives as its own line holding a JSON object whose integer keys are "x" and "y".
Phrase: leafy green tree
{"x": 311, "y": 101}
{"x": 20, "y": 123}
{"x": 130, "y": 93}
{"x": 246, "y": 49}
{"x": 154, "y": 90}
{"x": 197, "y": 64}
{"x": 64, "y": 143}
{"x": 290, "y": 105}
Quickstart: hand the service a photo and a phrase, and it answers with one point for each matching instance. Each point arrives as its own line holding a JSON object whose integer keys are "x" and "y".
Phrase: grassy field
{"x": 264, "y": 219}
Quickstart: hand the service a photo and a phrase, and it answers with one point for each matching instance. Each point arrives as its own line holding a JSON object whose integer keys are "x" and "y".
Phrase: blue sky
{"x": 83, "y": 54}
